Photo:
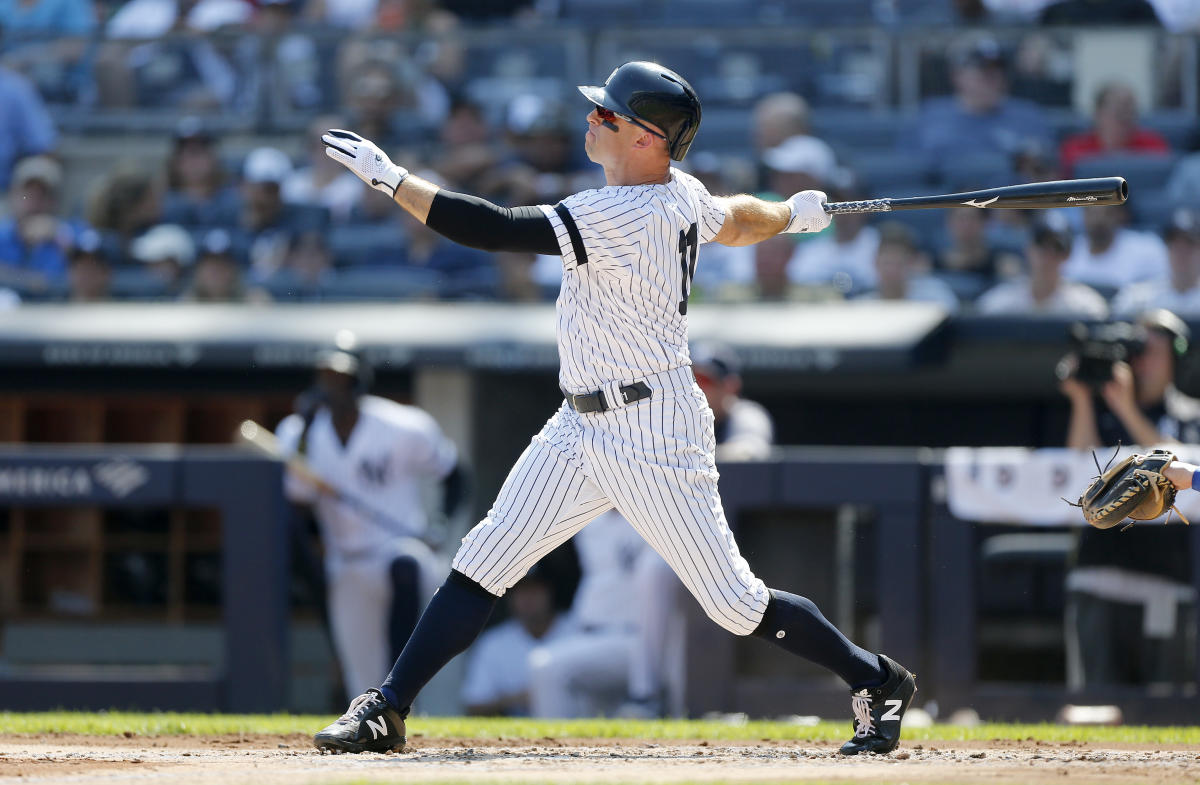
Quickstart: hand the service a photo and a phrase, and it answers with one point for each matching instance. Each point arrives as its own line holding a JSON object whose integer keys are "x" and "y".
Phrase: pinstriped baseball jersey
{"x": 629, "y": 254}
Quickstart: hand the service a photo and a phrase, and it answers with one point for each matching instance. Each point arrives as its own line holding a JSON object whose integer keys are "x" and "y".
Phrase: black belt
{"x": 586, "y": 403}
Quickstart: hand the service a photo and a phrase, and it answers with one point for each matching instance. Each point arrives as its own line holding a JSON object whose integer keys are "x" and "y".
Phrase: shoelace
{"x": 358, "y": 704}
{"x": 861, "y": 704}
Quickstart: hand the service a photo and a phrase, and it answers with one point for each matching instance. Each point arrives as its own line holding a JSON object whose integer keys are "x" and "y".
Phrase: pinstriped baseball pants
{"x": 653, "y": 461}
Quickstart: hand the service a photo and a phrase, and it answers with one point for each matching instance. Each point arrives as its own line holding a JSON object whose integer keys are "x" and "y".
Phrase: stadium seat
{"x": 890, "y": 174}
{"x": 724, "y": 130}
{"x": 136, "y": 283}
{"x": 1150, "y": 208}
{"x": 971, "y": 172}
{"x": 366, "y": 245}
{"x": 1145, "y": 173}
{"x": 395, "y": 283}
{"x": 1179, "y": 127}
{"x": 927, "y": 224}
{"x": 850, "y": 131}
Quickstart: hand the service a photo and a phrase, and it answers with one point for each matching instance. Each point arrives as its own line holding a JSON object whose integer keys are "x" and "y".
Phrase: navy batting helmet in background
{"x": 653, "y": 94}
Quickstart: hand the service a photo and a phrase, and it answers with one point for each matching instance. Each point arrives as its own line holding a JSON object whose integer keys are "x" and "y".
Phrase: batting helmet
{"x": 652, "y": 94}
{"x": 345, "y": 358}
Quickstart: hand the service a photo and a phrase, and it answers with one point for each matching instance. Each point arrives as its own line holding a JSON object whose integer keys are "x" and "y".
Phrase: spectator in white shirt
{"x": 1110, "y": 255}
{"x": 1180, "y": 291}
{"x": 497, "y": 681}
{"x": 1043, "y": 291}
{"x": 901, "y": 269}
{"x": 324, "y": 182}
{"x": 844, "y": 257}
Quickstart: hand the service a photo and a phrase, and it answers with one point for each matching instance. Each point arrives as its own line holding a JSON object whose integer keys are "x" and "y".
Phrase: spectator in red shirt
{"x": 1115, "y": 130}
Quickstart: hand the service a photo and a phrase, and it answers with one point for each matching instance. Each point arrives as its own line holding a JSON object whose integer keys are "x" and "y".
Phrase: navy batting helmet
{"x": 652, "y": 94}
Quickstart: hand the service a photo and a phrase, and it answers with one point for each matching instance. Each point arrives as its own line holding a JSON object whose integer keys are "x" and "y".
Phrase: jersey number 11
{"x": 689, "y": 246}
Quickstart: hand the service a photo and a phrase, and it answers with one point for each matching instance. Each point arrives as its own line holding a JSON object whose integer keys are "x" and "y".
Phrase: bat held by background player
{"x": 1092, "y": 192}
{"x": 265, "y": 441}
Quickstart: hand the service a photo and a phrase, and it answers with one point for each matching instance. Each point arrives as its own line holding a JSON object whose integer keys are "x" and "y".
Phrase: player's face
{"x": 337, "y": 388}
{"x": 604, "y": 144}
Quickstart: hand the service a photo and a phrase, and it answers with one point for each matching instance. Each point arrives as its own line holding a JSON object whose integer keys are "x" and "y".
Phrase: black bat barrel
{"x": 1092, "y": 192}
{"x": 1029, "y": 196}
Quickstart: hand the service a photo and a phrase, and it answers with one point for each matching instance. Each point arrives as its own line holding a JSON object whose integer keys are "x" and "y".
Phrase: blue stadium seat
{"x": 365, "y": 245}
{"x": 1150, "y": 209}
{"x": 889, "y": 173}
{"x": 1145, "y": 173}
{"x": 709, "y": 12}
{"x": 724, "y": 130}
{"x": 1180, "y": 128}
{"x": 927, "y": 224}
{"x": 971, "y": 172}
{"x": 393, "y": 283}
{"x": 852, "y": 130}
{"x": 136, "y": 283}
{"x": 596, "y": 13}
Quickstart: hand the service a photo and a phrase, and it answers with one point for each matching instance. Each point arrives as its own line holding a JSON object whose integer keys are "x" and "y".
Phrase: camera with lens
{"x": 1096, "y": 347}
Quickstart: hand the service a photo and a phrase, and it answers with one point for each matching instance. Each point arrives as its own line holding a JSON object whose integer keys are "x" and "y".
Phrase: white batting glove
{"x": 365, "y": 159}
{"x": 808, "y": 212}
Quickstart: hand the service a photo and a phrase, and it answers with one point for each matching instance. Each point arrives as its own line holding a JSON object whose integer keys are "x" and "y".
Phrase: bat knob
{"x": 249, "y": 430}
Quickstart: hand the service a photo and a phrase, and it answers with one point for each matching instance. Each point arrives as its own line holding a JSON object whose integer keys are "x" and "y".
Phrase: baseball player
{"x": 586, "y": 671}
{"x": 373, "y": 457}
{"x": 634, "y": 432}
{"x": 742, "y": 431}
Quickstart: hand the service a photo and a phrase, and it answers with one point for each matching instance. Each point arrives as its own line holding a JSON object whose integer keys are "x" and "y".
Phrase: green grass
{"x": 165, "y": 724}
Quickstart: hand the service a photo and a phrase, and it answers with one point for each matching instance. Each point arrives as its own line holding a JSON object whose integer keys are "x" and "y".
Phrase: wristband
{"x": 1196, "y": 480}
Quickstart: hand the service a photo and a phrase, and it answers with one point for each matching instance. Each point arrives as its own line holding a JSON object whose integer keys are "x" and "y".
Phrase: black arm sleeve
{"x": 478, "y": 223}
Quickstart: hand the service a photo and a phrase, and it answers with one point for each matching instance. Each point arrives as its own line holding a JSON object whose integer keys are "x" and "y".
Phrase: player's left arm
{"x": 467, "y": 220}
{"x": 750, "y": 220}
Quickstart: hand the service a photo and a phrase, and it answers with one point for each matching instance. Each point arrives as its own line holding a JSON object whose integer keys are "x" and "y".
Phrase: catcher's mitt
{"x": 1135, "y": 488}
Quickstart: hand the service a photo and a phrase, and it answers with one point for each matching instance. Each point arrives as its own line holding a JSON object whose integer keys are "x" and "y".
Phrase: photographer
{"x": 1131, "y": 608}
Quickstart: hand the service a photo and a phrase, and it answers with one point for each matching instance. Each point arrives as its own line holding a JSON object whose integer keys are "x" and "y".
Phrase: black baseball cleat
{"x": 878, "y": 711}
{"x": 369, "y": 725}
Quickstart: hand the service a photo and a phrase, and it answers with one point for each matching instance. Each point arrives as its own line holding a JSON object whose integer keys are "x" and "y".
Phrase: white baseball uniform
{"x": 629, "y": 254}
{"x": 584, "y": 673}
{"x": 499, "y": 664}
{"x": 393, "y": 452}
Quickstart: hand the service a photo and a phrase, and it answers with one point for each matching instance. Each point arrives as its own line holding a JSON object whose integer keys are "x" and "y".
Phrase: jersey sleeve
{"x": 710, "y": 210}
{"x": 565, "y": 219}
{"x": 428, "y": 452}
{"x": 288, "y": 435}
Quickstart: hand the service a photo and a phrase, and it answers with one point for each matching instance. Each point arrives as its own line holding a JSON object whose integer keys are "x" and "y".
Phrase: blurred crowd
{"x": 232, "y": 198}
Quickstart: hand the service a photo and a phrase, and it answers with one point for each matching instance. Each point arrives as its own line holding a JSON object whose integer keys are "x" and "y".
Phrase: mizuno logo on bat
{"x": 974, "y": 203}
{"x": 1081, "y": 198}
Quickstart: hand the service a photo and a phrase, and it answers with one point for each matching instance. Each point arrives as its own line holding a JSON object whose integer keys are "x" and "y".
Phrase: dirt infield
{"x": 266, "y": 760}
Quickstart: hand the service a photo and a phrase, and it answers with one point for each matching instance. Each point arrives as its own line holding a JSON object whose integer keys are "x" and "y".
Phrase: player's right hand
{"x": 808, "y": 212}
{"x": 365, "y": 159}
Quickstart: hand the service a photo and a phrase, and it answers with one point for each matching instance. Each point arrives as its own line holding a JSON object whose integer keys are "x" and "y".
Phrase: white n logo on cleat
{"x": 892, "y": 713}
{"x": 382, "y": 727}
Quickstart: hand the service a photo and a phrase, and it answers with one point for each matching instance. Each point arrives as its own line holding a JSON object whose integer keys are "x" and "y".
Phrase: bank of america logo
{"x": 120, "y": 476}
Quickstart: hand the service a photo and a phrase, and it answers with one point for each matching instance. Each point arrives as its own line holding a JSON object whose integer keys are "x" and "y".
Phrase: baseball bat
{"x": 265, "y": 441}
{"x": 1092, "y": 192}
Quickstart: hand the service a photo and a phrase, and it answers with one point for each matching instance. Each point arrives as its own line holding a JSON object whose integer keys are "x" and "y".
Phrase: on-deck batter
{"x": 635, "y": 431}
{"x": 378, "y": 454}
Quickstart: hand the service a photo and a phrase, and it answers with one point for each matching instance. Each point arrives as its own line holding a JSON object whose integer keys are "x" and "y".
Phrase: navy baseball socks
{"x": 882, "y": 689}
{"x": 375, "y": 720}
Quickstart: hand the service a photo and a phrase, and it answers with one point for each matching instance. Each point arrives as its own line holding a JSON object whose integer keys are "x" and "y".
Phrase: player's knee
{"x": 405, "y": 572}
{"x": 544, "y": 667}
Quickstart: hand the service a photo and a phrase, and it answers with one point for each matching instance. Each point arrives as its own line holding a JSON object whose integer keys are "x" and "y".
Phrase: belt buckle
{"x": 635, "y": 392}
